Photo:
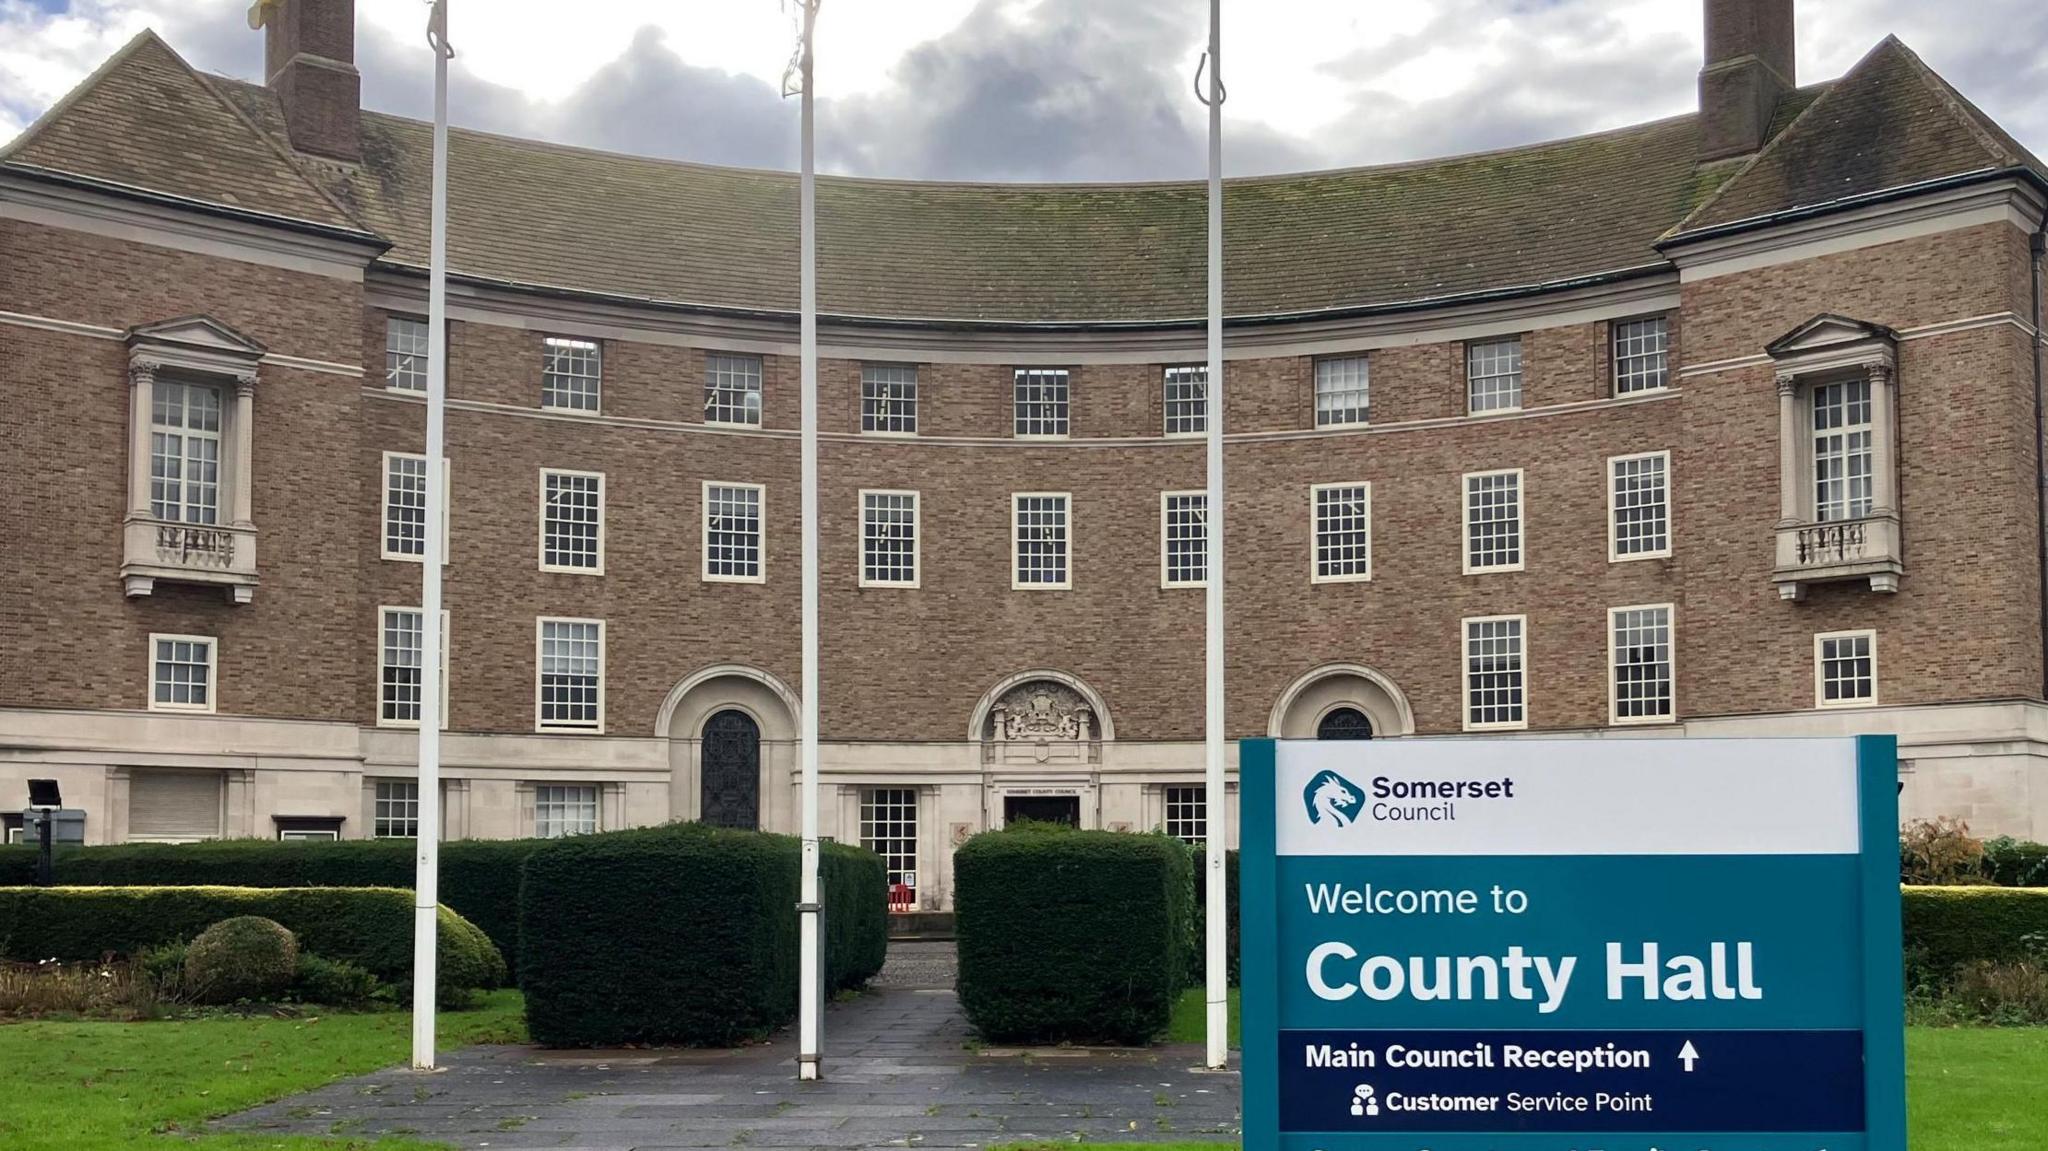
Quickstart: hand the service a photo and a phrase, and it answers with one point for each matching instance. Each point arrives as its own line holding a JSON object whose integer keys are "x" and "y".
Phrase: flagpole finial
{"x": 437, "y": 28}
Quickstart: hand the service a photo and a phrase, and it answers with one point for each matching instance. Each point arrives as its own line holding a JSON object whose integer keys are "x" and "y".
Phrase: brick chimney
{"x": 309, "y": 60}
{"x": 1749, "y": 68}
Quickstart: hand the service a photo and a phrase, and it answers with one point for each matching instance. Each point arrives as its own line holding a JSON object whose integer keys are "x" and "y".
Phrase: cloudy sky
{"x": 1048, "y": 89}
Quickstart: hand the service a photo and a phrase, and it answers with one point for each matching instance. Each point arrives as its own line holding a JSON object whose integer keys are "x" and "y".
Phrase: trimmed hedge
{"x": 479, "y": 877}
{"x": 1072, "y": 936}
{"x": 684, "y": 934}
{"x": 1950, "y": 927}
{"x": 2010, "y": 862}
{"x": 369, "y": 927}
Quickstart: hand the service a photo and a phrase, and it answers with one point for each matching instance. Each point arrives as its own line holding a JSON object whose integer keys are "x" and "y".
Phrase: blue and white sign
{"x": 1572, "y": 945}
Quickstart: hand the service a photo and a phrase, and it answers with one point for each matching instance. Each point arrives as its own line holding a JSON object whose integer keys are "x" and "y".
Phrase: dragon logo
{"x": 1332, "y": 799}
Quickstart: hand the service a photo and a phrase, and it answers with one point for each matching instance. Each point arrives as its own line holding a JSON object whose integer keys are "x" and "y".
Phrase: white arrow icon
{"x": 1688, "y": 1055}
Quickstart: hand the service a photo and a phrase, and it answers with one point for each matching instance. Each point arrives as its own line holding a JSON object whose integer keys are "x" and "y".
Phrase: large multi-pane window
{"x": 395, "y": 810}
{"x": 1493, "y": 521}
{"x": 1639, "y": 506}
{"x": 1183, "y": 539}
{"x": 1040, "y": 402}
{"x": 888, "y": 827}
{"x": 888, "y": 539}
{"x": 1187, "y": 813}
{"x": 1845, "y": 669}
{"x": 1641, "y": 355}
{"x": 564, "y": 809}
{"x": 572, "y": 521}
{"x": 732, "y": 532}
{"x": 732, "y": 389}
{"x": 1496, "y": 693}
{"x": 1640, "y": 660}
{"x": 181, "y": 673}
{"x": 571, "y": 374}
{"x": 405, "y": 353}
{"x": 1493, "y": 375}
{"x": 1040, "y": 541}
{"x": 401, "y": 643}
{"x": 1341, "y": 515}
{"x": 184, "y": 452}
{"x": 405, "y": 506}
{"x": 888, "y": 399}
{"x": 1842, "y": 450}
{"x": 1187, "y": 400}
{"x": 570, "y": 681}
{"x": 1343, "y": 391}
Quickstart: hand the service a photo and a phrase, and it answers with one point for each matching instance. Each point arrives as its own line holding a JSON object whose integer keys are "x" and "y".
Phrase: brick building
{"x": 1719, "y": 425}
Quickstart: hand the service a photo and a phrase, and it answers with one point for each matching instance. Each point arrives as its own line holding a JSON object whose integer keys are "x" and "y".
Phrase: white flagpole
{"x": 426, "y": 882}
{"x": 1215, "y": 961}
{"x": 811, "y": 993}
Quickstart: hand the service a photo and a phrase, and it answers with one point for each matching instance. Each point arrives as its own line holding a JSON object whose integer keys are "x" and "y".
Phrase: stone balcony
{"x": 1860, "y": 549}
{"x": 153, "y": 549}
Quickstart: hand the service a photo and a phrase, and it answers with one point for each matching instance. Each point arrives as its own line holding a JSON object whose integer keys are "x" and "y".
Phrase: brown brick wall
{"x": 912, "y": 664}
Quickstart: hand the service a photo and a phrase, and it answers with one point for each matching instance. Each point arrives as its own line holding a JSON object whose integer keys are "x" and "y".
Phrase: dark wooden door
{"x": 732, "y": 771}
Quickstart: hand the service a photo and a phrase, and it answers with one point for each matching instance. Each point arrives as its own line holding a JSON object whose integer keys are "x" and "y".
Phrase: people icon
{"x": 1362, "y": 1102}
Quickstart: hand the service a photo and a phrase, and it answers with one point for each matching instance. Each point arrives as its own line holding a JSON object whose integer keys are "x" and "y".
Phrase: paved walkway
{"x": 901, "y": 1072}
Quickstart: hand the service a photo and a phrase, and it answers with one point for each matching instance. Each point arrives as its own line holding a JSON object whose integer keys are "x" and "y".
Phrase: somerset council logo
{"x": 1332, "y": 799}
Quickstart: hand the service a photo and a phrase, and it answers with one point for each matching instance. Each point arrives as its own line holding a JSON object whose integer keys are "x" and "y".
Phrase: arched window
{"x": 1344, "y": 723}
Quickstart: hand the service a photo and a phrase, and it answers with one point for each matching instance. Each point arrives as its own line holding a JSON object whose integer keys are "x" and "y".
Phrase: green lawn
{"x": 1967, "y": 1088}
{"x": 89, "y": 1086}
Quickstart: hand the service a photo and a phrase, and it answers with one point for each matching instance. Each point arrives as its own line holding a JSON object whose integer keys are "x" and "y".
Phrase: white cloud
{"x": 1048, "y": 89}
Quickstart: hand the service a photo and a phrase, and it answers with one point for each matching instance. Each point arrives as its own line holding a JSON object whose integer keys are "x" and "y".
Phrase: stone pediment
{"x": 1830, "y": 341}
{"x": 199, "y": 333}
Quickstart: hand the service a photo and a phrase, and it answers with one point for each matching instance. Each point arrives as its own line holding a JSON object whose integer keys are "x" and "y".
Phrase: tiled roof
{"x": 1890, "y": 122}
{"x": 550, "y": 216}
{"x": 147, "y": 120}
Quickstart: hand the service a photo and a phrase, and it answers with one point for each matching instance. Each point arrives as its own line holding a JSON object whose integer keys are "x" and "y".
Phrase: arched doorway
{"x": 732, "y": 771}
{"x": 1344, "y": 723}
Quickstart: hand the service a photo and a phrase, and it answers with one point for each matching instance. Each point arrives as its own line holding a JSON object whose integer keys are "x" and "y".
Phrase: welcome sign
{"x": 1572, "y": 945}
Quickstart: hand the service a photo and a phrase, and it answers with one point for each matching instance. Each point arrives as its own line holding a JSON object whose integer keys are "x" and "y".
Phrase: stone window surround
{"x": 596, "y": 567}
{"x": 199, "y": 350}
{"x": 1828, "y": 350}
{"x": 916, "y": 564}
{"x": 212, "y": 645}
{"x": 1820, "y": 640}
{"x": 1520, "y": 520}
{"x": 611, "y": 799}
{"x": 1470, "y": 691}
{"x": 1614, "y": 665}
{"x": 384, "y": 654}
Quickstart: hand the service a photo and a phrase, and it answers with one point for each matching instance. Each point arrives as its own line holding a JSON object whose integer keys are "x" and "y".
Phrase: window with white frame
{"x": 1187, "y": 400}
{"x": 888, "y": 539}
{"x": 401, "y": 643}
{"x": 732, "y": 532}
{"x": 1845, "y": 669}
{"x": 732, "y": 389}
{"x": 395, "y": 809}
{"x": 184, "y": 452}
{"x": 570, "y": 688}
{"x": 564, "y": 809}
{"x": 1493, "y": 375}
{"x": 1341, "y": 515}
{"x": 181, "y": 672}
{"x": 1183, "y": 539}
{"x": 405, "y": 353}
{"x": 1641, "y": 355}
{"x": 307, "y": 827}
{"x": 571, "y": 374}
{"x": 888, "y": 399}
{"x": 1040, "y": 401}
{"x": 1343, "y": 391}
{"x": 888, "y": 827}
{"x": 405, "y": 507}
{"x": 1493, "y": 521}
{"x": 1187, "y": 813}
{"x": 1842, "y": 450}
{"x": 572, "y": 521}
{"x": 1496, "y": 693}
{"x": 1640, "y": 656}
{"x": 1639, "y": 506}
{"x": 1040, "y": 541}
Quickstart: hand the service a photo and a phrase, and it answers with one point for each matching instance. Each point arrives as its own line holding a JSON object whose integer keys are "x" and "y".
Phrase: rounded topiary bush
{"x": 247, "y": 957}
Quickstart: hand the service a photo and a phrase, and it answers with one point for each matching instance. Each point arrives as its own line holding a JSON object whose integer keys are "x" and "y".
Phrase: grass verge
{"x": 94, "y": 1086}
{"x": 1967, "y": 1088}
